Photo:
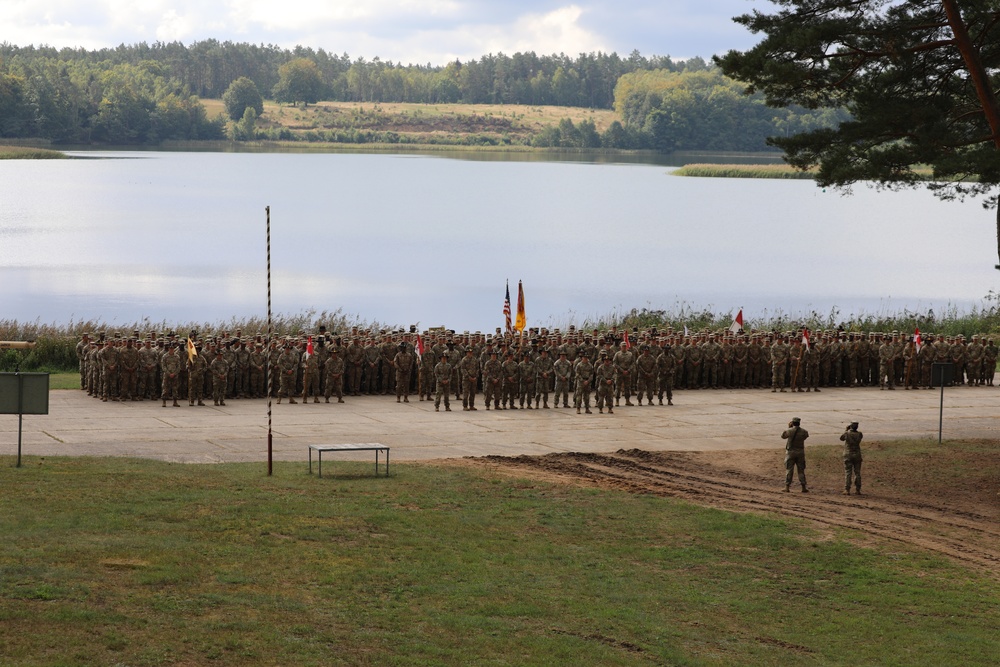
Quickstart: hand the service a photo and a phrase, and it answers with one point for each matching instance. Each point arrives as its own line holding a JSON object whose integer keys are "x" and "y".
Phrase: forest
{"x": 147, "y": 94}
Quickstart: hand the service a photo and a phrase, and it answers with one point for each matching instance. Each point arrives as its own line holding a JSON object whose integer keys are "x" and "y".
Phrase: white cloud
{"x": 417, "y": 31}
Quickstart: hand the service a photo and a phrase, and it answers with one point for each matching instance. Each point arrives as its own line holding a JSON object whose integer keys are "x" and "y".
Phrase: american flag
{"x": 506, "y": 308}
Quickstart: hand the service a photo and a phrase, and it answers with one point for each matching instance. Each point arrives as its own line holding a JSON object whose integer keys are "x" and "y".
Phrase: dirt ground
{"x": 942, "y": 500}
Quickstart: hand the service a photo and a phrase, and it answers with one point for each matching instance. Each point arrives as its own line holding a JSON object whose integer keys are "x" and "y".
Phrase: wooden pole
{"x": 267, "y": 354}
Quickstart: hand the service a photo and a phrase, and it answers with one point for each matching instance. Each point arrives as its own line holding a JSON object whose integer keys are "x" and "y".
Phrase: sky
{"x": 408, "y": 31}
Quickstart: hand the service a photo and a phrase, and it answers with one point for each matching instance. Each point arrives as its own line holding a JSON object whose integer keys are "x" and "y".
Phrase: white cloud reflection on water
{"x": 401, "y": 240}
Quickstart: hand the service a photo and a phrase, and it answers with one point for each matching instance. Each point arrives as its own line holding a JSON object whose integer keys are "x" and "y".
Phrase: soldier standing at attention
{"x": 584, "y": 372}
{"x": 403, "y": 363}
{"x": 129, "y": 359}
{"x": 288, "y": 364}
{"x": 149, "y": 359}
{"x": 605, "y": 380}
{"x": 795, "y": 453}
{"x": 645, "y": 367}
{"x": 665, "y": 367}
{"x": 171, "y": 367}
{"x": 334, "y": 372}
{"x": 355, "y": 357}
{"x": 468, "y": 371}
{"x": 563, "y": 370}
{"x": 544, "y": 364}
{"x": 989, "y": 362}
{"x": 511, "y": 381}
{"x": 219, "y": 370}
{"x": 624, "y": 365}
{"x": 492, "y": 380}
{"x": 852, "y": 458}
{"x": 442, "y": 377}
{"x": 197, "y": 365}
{"x": 526, "y": 371}
{"x": 779, "y": 358}
{"x": 310, "y": 377}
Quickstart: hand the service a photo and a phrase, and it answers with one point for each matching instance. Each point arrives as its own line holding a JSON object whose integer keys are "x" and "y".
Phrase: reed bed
{"x": 742, "y": 171}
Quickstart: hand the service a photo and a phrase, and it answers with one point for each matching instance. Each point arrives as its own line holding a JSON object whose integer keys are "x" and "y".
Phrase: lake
{"x": 430, "y": 240}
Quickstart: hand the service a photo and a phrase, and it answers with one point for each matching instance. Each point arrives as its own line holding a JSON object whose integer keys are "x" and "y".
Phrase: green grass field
{"x": 134, "y": 562}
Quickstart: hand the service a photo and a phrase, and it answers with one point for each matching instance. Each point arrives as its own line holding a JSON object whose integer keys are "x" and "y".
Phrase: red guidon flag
{"x": 917, "y": 341}
{"x": 737, "y": 324}
{"x": 805, "y": 338}
{"x": 309, "y": 347}
{"x": 419, "y": 347}
{"x": 628, "y": 343}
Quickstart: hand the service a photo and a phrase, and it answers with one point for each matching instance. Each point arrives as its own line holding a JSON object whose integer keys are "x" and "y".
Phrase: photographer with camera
{"x": 795, "y": 453}
{"x": 852, "y": 458}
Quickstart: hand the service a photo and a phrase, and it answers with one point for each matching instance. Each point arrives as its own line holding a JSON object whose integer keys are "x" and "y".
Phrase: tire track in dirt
{"x": 958, "y": 533}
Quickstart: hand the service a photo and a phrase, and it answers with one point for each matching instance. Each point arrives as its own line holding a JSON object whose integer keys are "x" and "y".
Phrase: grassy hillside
{"x": 421, "y": 121}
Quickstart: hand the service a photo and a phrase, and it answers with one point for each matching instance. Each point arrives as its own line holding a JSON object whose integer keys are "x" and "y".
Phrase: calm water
{"x": 430, "y": 240}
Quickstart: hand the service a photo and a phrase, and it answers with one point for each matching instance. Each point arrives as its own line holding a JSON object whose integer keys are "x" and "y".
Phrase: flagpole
{"x": 267, "y": 354}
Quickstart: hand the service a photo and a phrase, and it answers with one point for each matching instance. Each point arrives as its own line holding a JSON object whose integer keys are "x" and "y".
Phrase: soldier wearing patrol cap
{"x": 795, "y": 453}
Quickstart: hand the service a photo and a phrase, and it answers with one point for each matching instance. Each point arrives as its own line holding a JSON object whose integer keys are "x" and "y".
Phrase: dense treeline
{"x": 143, "y": 94}
{"x": 705, "y": 110}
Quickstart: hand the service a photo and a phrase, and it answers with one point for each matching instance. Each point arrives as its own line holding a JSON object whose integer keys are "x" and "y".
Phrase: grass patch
{"x": 29, "y": 153}
{"x": 124, "y": 561}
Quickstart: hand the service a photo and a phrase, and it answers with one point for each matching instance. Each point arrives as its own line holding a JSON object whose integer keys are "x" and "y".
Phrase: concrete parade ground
{"x": 701, "y": 420}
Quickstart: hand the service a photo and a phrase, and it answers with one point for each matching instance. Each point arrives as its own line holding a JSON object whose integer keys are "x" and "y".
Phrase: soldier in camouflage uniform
{"x": 526, "y": 371}
{"x": 562, "y": 369}
{"x": 584, "y": 373}
{"x": 197, "y": 366}
{"x": 887, "y": 358}
{"x": 288, "y": 364}
{"x": 149, "y": 360}
{"x": 403, "y": 364}
{"x": 645, "y": 368}
{"x": 129, "y": 360}
{"x": 170, "y": 364}
{"x": 354, "y": 359}
{"x": 543, "y": 385}
{"x": 219, "y": 370}
{"x": 334, "y": 372}
{"x": 468, "y": 371}
{"x": 442, "y": 377}
{"x": 989, "y": 362}
{"x": 258, "y": 368}
{"x": 604, "y": 379}
{"x": 511, "y": 381}
{"x": 310, "y": 377}
{"x": 779, "y": 359}
{"x": 492, "y": 381}
{"x": 795, "y": 453}
{"x": 852, "y": 458}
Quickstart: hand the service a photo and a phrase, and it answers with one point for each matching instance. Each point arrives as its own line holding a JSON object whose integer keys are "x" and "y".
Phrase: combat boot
{"x": 176, "y": 404}
{"x": 279, "y": 400}
{"x": 164, "y": 402}
{"x": 292, "y": 401}
{"x": 804, "y": 489}
{"x": 846, "y": 492}
{"x": 578, "y": 411}
{"x": 222, "y": 402}
{"x": 588, "y": 411}
{"x": 788, "y": 488}
{"x": 610, "y": 411}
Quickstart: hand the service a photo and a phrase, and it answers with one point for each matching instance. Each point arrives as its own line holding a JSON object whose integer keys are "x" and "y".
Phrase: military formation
{"x": 510, "y": 371}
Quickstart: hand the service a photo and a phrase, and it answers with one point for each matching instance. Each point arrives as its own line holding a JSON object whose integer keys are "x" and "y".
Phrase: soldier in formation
{"x": 521, "y": 371}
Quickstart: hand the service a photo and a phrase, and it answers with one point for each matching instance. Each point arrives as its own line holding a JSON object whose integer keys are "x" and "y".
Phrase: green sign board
{"x": 24, "y": 393}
